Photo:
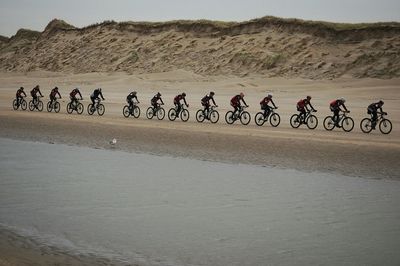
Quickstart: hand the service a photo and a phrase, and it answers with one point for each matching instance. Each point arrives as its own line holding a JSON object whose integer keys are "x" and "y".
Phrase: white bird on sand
{"x": 113, "y": 141}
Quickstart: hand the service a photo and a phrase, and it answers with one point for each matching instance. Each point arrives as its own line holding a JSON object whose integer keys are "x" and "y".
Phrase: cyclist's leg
{"x": 267, "y": 111}
{"x": 336, "y": 116}
{"x": 303, "y": 114}
{"x": 374, "y": 119}
{"x": 178, "y": 108}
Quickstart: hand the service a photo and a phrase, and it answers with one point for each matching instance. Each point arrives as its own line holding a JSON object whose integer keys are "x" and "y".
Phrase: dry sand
{"x": 356, "y": 154}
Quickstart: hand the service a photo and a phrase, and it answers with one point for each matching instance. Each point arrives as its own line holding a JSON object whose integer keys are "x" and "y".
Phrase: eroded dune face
{"x": 268, "y": 46}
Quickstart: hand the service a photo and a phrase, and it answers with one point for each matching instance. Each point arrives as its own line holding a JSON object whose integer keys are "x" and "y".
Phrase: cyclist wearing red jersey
{"x": 177, "y": 102}
{"x": 335, "y": 108}
{"x": 235, "y": 102}
{"x": 54, "y": 92}
{"x": 73, "y": 94}
{"x": 302, "y": 107}
{"x": 205, "y": 101}
{"x": 19, "y": 94}
{"x": 264, "y": 105}
{"x": 34, "y": 93}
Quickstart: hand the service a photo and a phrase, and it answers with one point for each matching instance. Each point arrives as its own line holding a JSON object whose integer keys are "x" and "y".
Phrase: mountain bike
{"x": 309, "y": 119}
{"x": 157, "y": 111}
{"x": 212, "y": 115}
{"x": 133, "y": 110}
{"x": 53, "y": 105}
{"x": 243, "y": 116}
{"x": 75, "y": 106}
{"x": 344, "y": 121}
{"x": 98, "y": 106}
{"x": 38, "y": 104}
{"x": 385, "y": 126}
{"x": 16, "y": 104}
{"x": 183, "y": 114}
{"x": 274, "y": 118}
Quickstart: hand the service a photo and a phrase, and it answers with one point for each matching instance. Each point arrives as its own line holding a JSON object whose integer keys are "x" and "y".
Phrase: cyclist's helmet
{"x": 269, "y": 95}
{"x": 21, "y": 88}
{"x": 99, "y": 89}
{"x": 212, "y": 93}
{"x": 134, "y": 92}
{"x": 308, "y": 97}
{"x": 381, "y": 102}
{"x": 242, "y": 94}
{"x": 158, "y": 94}
{"x": 183, "y": 94}
{"x": 56, "y": 88}
{"x": 343, "y": 100}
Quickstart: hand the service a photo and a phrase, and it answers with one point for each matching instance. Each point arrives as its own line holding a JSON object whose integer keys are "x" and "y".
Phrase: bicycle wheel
{"x": 259, "y": 119}
{"x": 149, "y": 113}
{"x": 312, "y": 122}
{"x": 385, "y": 126}
{"x": 200, "y": 116}
{"x": 185, "y": 115}
{"x": 214, "y": 116}
{"x": 90, "y": 109}
{"x": 23, "y": 104}
{"x": 69, "y": 108}
{"x": 160, "y": 113}
{"x": 57, "y": 107}
{"x": 79, "y": 108}
{"x": 366, "y": 125}
{"x": 49, "y": 107}
{"x": 40, "y": 106}
{"x": 172, "y": 114}
{"x": 347, "y": 124}
{"x": 229, "y": 118}
{"x": 31, "y": 106}
{"x": 245, "y": 118}
{"x": 136, "y": 111}
{"x": 295, "y": 121}
{"x": 329, "y": 124}
{"x": 125, "y": 111}
{"x": 101, "y": 109}
{"x": 275, "y": 120}
{"x": 14, "y": 104}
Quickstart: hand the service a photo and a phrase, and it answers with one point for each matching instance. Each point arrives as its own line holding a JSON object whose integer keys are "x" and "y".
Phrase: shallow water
{"x": 173, "y": 211}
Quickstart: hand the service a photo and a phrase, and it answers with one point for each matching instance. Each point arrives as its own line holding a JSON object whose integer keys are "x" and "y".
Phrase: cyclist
{"x": 95, "y": 96}
{"x": 34, "y": 93}
{"x": 205, "y": 101}
{"x": 335, "y": 108}
{"x": 302, "y": 107}
{"x": 264, "y": 105}
{"x": 54, "y": 92}
{"x": 73, "y": 98}
{"x": 19, "y": 94}
{"x": 235, "y": 102}
{"x": 130, "y": 97}
{"x": 373, "y": 111}
{"x": 177, "y": 102}
{"x": 155, "y": 99}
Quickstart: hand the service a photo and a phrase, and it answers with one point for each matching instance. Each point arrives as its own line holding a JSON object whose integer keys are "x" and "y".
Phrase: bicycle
{"x": 16, "y": 104}
{"x": 133, "y": 110}
{"x": 184, "y": 113}
{"x": 38, "y": 104}
{"x": 53, "y": 105}
{"x": 242, "y": 115}
{"x": 157, "y": 111}
{"x": 309, "y": 119}
{"x": 97, "y": 106}
{"x": 385, "y": 126}
{"x": 274, "y": 118}
{"x": 212, "y": 115}
{"x": 75, "y": 106}
{"x": 344, "y": 121}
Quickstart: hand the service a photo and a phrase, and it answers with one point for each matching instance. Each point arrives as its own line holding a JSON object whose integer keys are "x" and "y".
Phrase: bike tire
{"x": 295, "y": 121}
{"x": 172, "y": 114}
{"x": 136, "y": 112}
{"x": 57, "y": 107}
{"x": 90, "y": 109}
{"x": 31, "y": 105}
{"x": 23, "y": 104}
{"x": 101, "y": 109}
{"x": 40, "y": 106}
{"x": 229, "y": 117}
{"x": 329, "y": 124}
{"x": 366, "y": 125}
{"x": 150, "y": 113}
{"x": 160, "y": 113}
{"x": 385, "y": 126}
{"x": 259, "y": 119}
{"x": 200, "y": 116}
{"x": 185, "y": 115}
{"x": 347, "y": 124}
{"x": 312, "y": 122}
{"x": 14, "y": 104}
{"x": 49, "y": 107}
{"x": 79, "y": 108}
{"x": 125, "y": 111}
{"x": 69, "y": 108}
{"x": 214, "y": 116}
{"x": 274, "y": 119}
{"x": 245, "y": 118}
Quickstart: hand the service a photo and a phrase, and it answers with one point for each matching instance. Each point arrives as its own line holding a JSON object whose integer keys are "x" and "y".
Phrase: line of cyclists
{"x": 339, "y": 119}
